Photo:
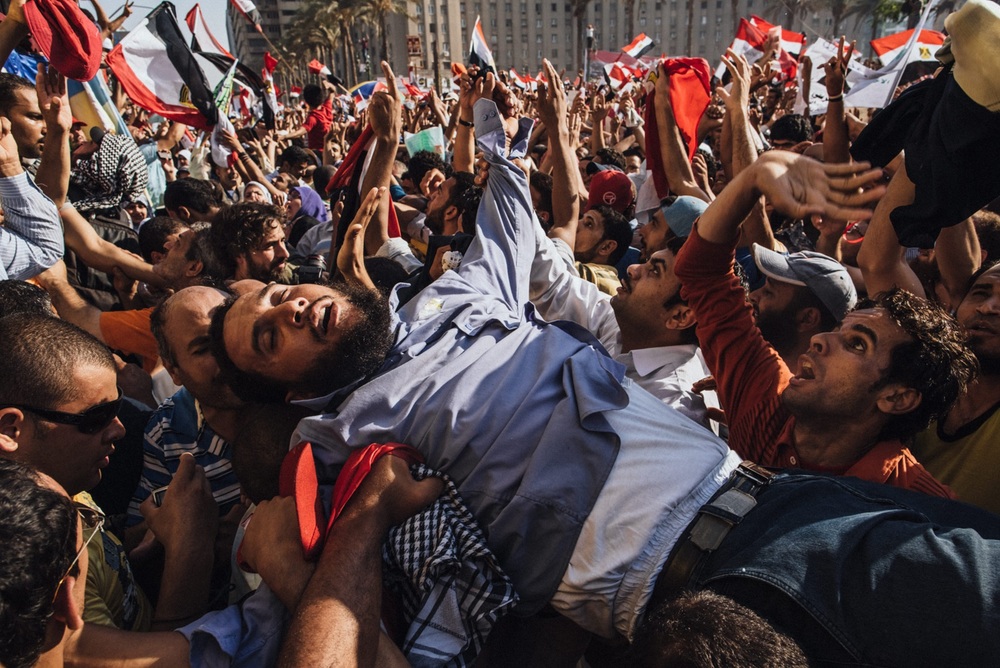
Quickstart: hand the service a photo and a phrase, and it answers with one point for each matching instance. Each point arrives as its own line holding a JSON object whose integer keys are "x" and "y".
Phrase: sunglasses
{"x": 90, "y": 421}
{"x": 92, "y": 520}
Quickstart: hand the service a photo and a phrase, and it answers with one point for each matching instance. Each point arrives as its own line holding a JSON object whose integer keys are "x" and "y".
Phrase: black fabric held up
{"x": 950, "y": 142}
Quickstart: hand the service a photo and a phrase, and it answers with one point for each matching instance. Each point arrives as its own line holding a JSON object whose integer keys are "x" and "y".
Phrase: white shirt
{"x": 666, "y": 372}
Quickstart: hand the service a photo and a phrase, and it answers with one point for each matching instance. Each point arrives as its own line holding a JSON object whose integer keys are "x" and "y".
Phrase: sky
{"x": 214, "y": 11}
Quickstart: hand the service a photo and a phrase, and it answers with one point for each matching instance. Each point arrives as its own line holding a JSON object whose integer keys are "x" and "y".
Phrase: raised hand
{"x": 738, "y": 98}
{"x": 52, "y": 99}
{"x": 551, "y": 102}
{"x": 804, "y": 188}
{"x": 351, "y": 256}
{"x": 835, "y": 69}
{"x": 385, "y": 109}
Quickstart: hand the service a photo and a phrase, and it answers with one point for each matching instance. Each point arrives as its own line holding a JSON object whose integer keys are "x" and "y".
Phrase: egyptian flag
{"x": 295, "y": 92}
{"x": 159, "y": 72}
{"x": 616, "y": 75}
{"x": 202, "y": 39}
{"x": 479, "y": 50}
{"x": 639, "y": 46}
{"x": 890, "y": 47}
{"x": 690, "y": 93}
{"x": 317, "y": 67}
{"x": 790, "y": 45}
{"x": 791, "y": 41}
{"x": 749, "y": 42}
{"x": 247, "y": 9}
{"x": 270, "y": 107}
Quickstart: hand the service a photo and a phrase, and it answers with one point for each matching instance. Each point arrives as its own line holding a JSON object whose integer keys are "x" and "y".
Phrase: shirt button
{"x": 792, "y": 460}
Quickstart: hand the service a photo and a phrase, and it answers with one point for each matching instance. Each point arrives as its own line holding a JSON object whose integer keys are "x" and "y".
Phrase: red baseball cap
{"x": 611, "y": 188}
{"x": 65, "y": 36}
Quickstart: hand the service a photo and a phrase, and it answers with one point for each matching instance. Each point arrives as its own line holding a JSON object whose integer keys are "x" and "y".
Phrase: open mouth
{"x": 806, "y": 371}
{"x": 322, "y": 317}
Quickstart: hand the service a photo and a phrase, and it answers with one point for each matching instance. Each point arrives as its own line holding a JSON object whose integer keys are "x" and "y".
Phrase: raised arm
{"x": 53, "y": 169}
{"x": 836, "y": 142}
{"x": 463, "y": 157}
{"x": 13, "y": 29}
{"x": 385, "y": 114}
{"x": 882, "y": 258}
{"x": 553, "y": 112}
{"x": 31, "y": 238}
{"x": 672, "y": 152}
{"x": 796, "y": 185}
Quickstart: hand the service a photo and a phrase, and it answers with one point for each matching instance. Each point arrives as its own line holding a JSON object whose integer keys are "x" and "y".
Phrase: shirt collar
{"x": 648, "y": 360}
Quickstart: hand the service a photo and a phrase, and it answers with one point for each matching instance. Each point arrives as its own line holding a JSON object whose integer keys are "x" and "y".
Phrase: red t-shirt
{"x": 318, "y": 123}
{"x": 750, "y": 375}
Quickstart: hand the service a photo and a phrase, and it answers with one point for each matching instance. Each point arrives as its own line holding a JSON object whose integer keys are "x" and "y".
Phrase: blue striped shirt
{"x": 177, "y": 427}
{"x": 31, "y": 238}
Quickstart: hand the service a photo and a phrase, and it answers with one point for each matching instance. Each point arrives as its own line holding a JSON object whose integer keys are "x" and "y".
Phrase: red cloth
{"x": 269, "y": 62}
{"x": 65, "y": 36}
{"x": 750, "y": 376}
{"x": 299, "y": 479}
{"x": 351, "y": 162}
{"x": 690, "y": 93}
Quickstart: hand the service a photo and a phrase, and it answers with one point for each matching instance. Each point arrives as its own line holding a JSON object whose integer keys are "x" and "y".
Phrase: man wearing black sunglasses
{"x": 58, "y": 404}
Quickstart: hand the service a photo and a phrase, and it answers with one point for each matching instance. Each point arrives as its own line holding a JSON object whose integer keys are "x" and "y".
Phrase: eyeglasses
{"x": 92, "y": 520}
{"x": 90, "y": 421}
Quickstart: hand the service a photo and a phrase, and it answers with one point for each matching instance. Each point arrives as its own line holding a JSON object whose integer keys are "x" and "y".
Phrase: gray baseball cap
{"x": 824, "y": 276}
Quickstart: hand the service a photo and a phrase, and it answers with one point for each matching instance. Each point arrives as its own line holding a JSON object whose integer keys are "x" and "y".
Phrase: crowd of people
{"x": 589, "y": 384}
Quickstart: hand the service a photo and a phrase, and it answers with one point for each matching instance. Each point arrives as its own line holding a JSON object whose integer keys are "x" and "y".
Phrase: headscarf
{"x": 261, "y": 187}
{"x": 312, "y": 204}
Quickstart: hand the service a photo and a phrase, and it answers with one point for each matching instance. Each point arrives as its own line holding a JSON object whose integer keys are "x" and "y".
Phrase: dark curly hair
{"x": 38, "y": 534}
{"x": 240, "y": 229}
{"x": 937, "y": 362}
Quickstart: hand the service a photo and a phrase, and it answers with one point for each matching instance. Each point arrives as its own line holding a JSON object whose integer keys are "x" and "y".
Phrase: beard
{"x": 778, "y": 329}
{"x": 359, "y": 351}
{"x": 272, "y": 274}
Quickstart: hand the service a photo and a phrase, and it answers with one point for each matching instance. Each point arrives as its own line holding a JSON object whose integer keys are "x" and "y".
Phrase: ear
{"x": 451, "y": 212}
{"x": 65, "y": 608}
{"x": 194, "y": 268}
{"x": 11, "y": 424}
{"x": 808, "y": 319}
{"x": 543, "y": 216}
{"x": 157, "y": 257}
{"x": 607, "y": 247}
{"x": 679, "y": 317}
{"x": 184, "y": 214}
{"x": 241, "y": 266}
{"x": 897, "y": 400}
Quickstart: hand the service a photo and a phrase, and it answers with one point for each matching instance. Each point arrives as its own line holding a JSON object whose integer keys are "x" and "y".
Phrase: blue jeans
{"x": 860, "y": 573}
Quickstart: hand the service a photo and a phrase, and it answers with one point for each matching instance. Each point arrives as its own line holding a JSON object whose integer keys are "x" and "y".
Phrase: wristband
{"x": 838, "y": 98}
{"x": 467, "y": 124}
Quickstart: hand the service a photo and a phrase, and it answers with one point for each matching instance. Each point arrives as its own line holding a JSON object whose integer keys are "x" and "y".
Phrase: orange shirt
{"x": 750, "y": 375}
{"x": 129, "y": 332}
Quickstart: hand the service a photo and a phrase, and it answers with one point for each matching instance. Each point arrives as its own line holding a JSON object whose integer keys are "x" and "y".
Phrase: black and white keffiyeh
{"x": 452, "y": 589}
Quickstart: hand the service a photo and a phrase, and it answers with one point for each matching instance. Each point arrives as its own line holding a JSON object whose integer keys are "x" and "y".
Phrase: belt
{"x": 727, "y": 508}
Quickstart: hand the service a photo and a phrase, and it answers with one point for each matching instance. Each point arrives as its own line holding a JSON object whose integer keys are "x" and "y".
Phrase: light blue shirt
{"x": 510, "y": 407}
{"x": 31, "y": 238}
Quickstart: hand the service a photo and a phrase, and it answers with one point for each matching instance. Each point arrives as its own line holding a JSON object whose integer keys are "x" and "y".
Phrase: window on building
{"x": 538, "y": 24}
{"x": 642, "y": 21}
{"x": 701, "y": 35}
{"x": 554, "y": 7}
{"x": 493, "y": 22}
{"x": 430, "y": 8}
{"x": 658, "y": 21}
{"x": 538, "y": 39}
{"x": 704, "y": 19}
{"x": 554, "y": 39}
{"x": 524, "y": 23}
{"x": 507, "y": 7}
{"x": 420, "y": 28}
{"x": 463, "y": 24}
{"x": 509, "y": 38}
{"x": 554, "y": 23}
{"x": 508, "y": 23}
